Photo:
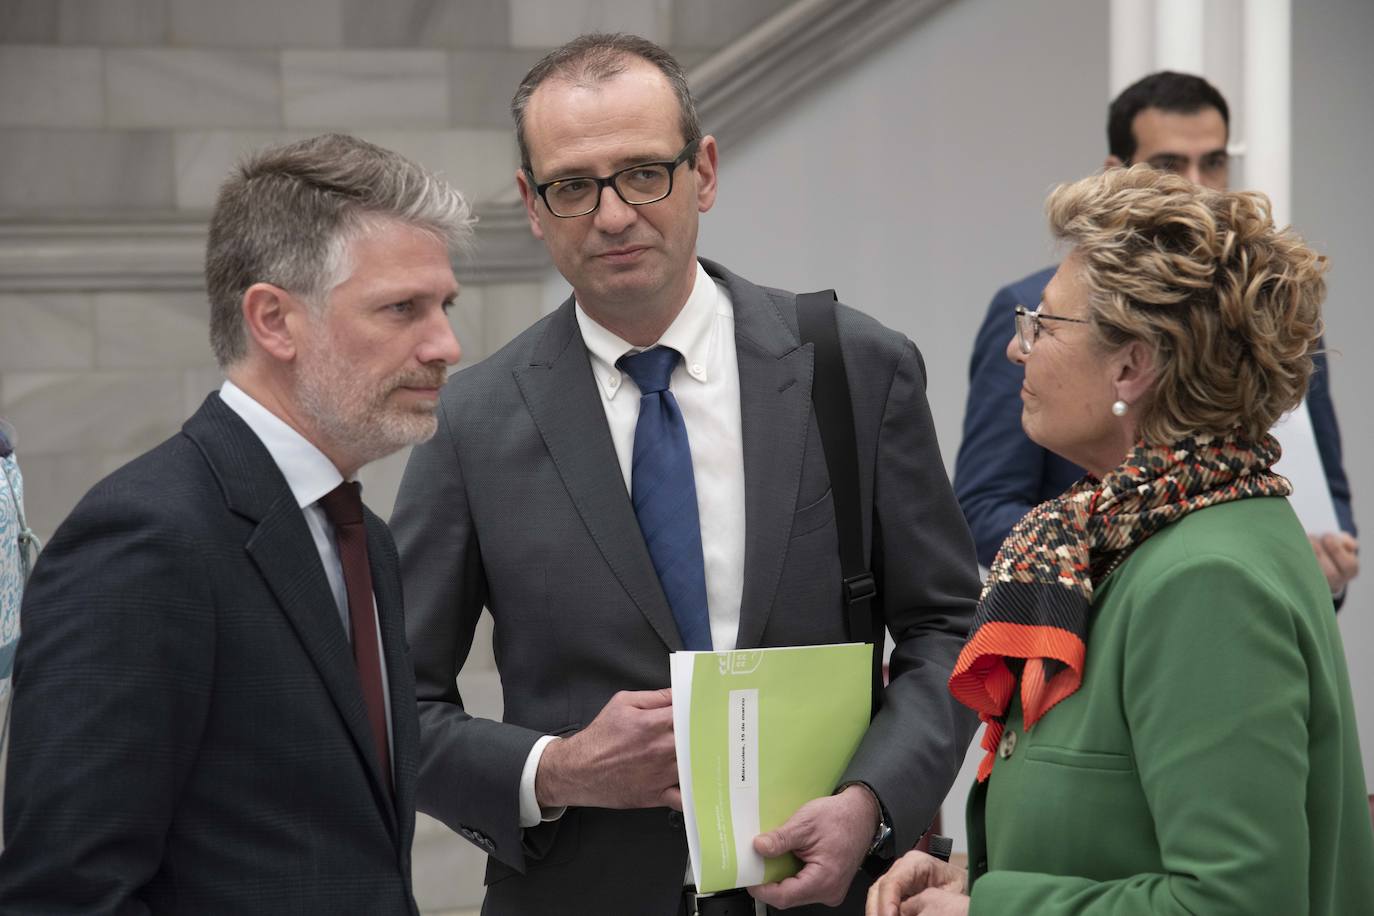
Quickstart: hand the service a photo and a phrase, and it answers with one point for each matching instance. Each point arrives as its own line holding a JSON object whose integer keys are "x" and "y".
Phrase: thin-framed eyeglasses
{"x": 1028, "y": 325}
{"x": 637, "y": 185}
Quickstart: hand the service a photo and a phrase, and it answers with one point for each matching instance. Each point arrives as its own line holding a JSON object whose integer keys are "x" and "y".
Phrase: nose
{"x": 1193, "y": 173}
{"x": 613, "y": 216}
{"x": 440, "y": 343}
{"x": 1014, "y": 353}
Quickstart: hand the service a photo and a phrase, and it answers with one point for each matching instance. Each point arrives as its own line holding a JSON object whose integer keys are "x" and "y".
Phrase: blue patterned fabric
{"x": 14, "y": 566}
{"x": 663, "y": 489}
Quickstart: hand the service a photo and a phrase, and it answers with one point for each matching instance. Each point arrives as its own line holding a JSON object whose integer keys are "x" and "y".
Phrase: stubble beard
{"x": 352, "y": 412}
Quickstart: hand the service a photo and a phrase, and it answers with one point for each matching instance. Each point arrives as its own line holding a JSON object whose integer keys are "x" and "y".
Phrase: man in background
{"x": 641, "y": 472}
{"x": 214, "y": 707}
{"x": 1180, "y": 123}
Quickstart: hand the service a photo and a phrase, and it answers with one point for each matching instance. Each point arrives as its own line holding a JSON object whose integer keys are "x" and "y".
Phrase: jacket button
{"x": 1007, "y": 745}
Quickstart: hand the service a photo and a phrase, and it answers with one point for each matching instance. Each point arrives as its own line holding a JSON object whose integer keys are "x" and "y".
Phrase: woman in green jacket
{"x": 1169, "y": 721}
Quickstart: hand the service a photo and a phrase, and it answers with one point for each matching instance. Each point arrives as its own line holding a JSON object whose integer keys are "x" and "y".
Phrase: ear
{"x": 530, "y": 197}
{"x": 1134, "y": 372}
{"x": 270, "y": 314}
{"x": 705, "y": 168}
{"x": 1112, "y": 162}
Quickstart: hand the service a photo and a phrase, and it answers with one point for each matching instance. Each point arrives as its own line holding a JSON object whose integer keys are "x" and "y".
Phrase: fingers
{"x": 1327, "y": 564}
{"x": 1338, "y": 556}
{"x": 625, "y": 758}
{"x": 1344, "y": 553}
{"x": 771, "y": 845}
{"x": 907, "y": 877}
{"x": 646, "y": 699}
{"x": 935, "y": 902}
{"x": 810, "y": 885}
{"x": 884, "y": 898}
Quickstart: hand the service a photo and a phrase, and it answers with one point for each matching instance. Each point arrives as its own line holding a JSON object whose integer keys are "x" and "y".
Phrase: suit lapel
{"x": 561, "y": 396}
{"x": 283, "y": 550}
{"x": 775, "y": 409}
{"x": 405, "y": 733}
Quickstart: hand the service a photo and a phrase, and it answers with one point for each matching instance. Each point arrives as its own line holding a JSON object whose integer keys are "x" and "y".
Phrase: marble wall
{"x": 138, "y": 108}
{"x": 119, "y": 113}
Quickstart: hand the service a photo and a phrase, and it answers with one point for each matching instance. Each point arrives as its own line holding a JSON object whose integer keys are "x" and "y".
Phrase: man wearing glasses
{"x": 641, "y": 472}
{"x": 1173, "y": 121}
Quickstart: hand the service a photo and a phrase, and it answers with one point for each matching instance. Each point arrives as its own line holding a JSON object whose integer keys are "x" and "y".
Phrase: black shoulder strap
{"x": 835, "y": 416}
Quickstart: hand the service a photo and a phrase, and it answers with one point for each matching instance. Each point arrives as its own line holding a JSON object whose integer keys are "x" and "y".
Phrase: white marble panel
{"x": 196, "y": 384}
{"x": 93, "y": 412}
{"x": 28, "y": 22}
{"x": 381, "y": 480}
{"x": 203, "y": 159}
{"x": 468, "y": 319}
{"x": 46, "y": 331}
{"x": 474, "y": 681}
{"x": 479, "y": 163}
{"x": 426, "y": 23}
{"x": 446, "y": 869}
{"x": 53, "y": 484}
{"x": 49, "y": 86}
{"x": 481, "y": 84}
{"x": 509, "y": 309}
{"x": 716, "y": 23}
{"x": 148, "y": 330}
{"x": 112, "y": 22}
{"x": 176, "y": 87}
{"x": 47, "y": 170}
{"x": 257, "y": 23}
{"x": 381, "y": 88}
{"x": 540, "y": 24}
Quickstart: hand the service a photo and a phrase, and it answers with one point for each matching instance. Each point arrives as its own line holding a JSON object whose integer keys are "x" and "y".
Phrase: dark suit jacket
{"x": 189, "y": 733}
{"x": 1000, "y": 474}
{"x": 518, "y": 504}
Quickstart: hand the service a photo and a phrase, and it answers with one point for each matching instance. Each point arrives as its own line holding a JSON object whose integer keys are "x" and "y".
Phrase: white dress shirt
{"x": 705, "y": 384}
{"x": 310, "y": 475}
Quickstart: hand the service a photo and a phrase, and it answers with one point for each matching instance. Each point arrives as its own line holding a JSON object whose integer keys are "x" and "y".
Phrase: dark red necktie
{"x": 344, "y": 507}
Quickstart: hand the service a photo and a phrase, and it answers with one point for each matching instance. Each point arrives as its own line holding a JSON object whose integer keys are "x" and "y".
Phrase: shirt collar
{"x": 308, "y": 472}
{"x": 690, "y": 334}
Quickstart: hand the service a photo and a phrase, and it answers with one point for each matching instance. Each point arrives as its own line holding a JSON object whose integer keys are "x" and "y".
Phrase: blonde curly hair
{"x": 1229, "y": 304}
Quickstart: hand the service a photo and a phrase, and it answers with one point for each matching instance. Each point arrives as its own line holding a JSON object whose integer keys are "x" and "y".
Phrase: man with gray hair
{"x": 214, "y": 706}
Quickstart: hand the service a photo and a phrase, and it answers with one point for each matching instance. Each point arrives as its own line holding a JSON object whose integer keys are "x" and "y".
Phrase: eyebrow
{"x": 1167, "y": 156}
{"x": 624, "y": 162}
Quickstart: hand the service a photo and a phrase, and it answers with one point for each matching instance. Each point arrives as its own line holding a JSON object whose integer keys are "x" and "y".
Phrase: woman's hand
{"x": 936, "y": 902}
{"x": 919, "y": 883}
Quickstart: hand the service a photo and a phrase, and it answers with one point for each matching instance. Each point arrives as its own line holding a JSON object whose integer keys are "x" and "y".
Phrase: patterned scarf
{"x": 1036, "y": 602}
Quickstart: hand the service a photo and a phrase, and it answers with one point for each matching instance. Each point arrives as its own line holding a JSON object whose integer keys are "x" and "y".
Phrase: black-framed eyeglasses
{"x": 645, "y": 183}
{"x": 1028, "y": 325}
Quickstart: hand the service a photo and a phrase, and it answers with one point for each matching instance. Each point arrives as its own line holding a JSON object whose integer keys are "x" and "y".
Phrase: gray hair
{"x": 286, "y": 215}
{"x": 595, "y": 58}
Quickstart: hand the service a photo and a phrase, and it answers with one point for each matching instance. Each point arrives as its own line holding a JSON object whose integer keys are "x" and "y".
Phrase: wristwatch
{"x": 882, "y": 835}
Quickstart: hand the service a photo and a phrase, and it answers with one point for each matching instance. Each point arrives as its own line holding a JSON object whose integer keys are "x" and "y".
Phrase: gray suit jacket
{"x": 189, "y": 734}
{"x": 518, "y": 505}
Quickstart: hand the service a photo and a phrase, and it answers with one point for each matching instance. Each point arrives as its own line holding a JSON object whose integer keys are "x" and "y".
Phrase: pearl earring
{"x": 1119, "y": 408}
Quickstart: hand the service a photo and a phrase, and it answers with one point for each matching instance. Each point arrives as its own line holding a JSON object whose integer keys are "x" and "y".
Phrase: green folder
{"x": 759, "y": 733}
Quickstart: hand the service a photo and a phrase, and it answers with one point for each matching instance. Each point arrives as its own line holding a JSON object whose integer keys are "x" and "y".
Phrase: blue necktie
{"x": 664, "y": 493}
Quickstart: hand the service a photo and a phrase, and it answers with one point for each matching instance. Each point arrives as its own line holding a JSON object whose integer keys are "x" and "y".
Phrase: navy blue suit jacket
{"x": 1000, "y": 474}
{"x": 188, "y": 734}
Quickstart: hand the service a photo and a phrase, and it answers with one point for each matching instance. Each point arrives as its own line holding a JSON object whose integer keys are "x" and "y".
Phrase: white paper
{"x": 744, "y": 784}
{"x": 680, "y": 666}
{"x": 1302, "y": 465}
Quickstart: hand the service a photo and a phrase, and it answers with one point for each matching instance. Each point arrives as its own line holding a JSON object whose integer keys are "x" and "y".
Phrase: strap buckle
{"x": 860, "y": 587}
{"x": 735, "y": 902}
